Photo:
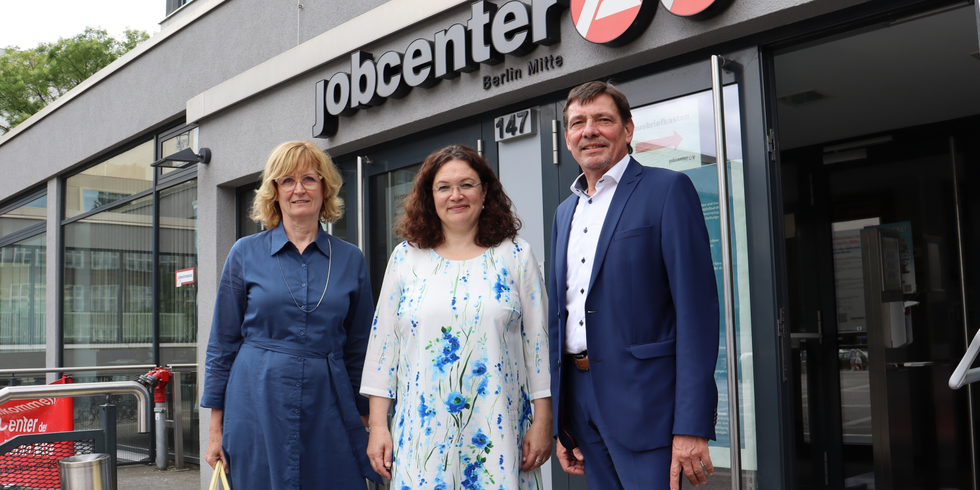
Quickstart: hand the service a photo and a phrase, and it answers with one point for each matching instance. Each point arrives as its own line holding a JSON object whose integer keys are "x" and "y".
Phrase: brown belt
{"x": 581, "y": 360}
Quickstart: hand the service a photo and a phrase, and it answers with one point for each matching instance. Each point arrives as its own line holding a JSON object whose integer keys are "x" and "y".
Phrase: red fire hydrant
{"x": 158, "y": 379}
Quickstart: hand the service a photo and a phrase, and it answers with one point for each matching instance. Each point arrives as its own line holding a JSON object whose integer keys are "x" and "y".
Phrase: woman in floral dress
{"x": 459, "y": 340}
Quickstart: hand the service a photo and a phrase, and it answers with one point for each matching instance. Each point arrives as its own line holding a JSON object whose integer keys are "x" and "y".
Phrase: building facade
{"x": 849, "y": 132}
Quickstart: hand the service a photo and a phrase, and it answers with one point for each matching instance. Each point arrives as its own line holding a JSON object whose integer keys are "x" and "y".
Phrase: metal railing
{"x": 87, "y": 389}
{"x": 107, "y": 418}
{"x": 176, "y": 422}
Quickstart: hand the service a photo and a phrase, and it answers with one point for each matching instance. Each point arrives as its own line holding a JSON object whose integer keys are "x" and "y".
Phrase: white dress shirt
{"x": 590, "y": 213}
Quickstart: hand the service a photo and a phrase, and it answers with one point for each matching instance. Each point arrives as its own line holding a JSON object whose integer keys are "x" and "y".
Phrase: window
{"x": 95, "y": 313}
{"x": 116, "y": 178}
{"x": 74, "y": 259}
{"x": 22, "y": 305}
{"x": 19, "y": 295}
{"x": 105, "y": 298}
{"x": 74, "y": 297}
{"x": 102, "y": 260}
{"x": 139, "y": 262}
{"x": 31, "y": 213}
{"x": 141, "y": 299}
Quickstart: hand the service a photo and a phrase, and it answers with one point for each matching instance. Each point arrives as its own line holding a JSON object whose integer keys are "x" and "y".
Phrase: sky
{"x": 25, "y": 23}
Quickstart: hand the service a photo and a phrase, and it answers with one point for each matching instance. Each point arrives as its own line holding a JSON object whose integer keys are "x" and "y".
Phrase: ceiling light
{"x": 804, "y": 98}
{"x": 858, "y": 144}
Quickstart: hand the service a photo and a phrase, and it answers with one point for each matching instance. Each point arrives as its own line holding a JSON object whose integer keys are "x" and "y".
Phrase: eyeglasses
{"x": 309, "y": 182}
{"x": 447, "y": 190}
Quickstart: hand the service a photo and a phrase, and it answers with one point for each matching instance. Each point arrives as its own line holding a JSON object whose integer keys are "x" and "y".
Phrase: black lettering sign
{"x": 491, "y": 32}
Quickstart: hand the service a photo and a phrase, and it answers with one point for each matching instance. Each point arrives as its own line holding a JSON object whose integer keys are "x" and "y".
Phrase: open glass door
{"x": 869, "y": 184}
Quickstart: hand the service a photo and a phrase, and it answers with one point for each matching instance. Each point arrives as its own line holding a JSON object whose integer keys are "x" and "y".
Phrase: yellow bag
{"x": 219, "y": 469}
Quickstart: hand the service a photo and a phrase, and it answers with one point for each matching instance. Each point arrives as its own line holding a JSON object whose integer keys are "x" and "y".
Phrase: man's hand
{"x": 573, "y": 462}
{"x": 690, "y": 455}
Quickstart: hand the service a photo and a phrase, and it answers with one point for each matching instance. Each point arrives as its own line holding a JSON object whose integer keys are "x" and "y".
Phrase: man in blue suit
{"x": 633, "y": 311}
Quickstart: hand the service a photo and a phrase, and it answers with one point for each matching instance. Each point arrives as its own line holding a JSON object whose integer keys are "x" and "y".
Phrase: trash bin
{"x": 86, "y": 472}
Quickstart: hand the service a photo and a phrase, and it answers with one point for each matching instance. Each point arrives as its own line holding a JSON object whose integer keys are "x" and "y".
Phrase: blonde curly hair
{"x": 284, "y": 160}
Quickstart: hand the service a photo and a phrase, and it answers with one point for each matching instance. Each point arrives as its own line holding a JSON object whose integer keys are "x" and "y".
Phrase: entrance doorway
{"x": 877, "y": 131}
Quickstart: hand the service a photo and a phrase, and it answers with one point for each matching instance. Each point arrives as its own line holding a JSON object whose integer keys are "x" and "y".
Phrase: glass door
{"x": 675, "y": 115}
{"x": 873, "y": 408}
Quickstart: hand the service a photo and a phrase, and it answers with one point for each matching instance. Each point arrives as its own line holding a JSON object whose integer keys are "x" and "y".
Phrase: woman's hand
{"x": 215, "y": 433}
{"x": 379, "y": 450}
{"x": 538, "y": 440}
{"x": 379, "y": 438}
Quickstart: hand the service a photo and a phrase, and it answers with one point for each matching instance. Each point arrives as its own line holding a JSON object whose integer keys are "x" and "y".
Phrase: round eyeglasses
{"x": 309, "y": 182}
{"x": 465, "y": 188}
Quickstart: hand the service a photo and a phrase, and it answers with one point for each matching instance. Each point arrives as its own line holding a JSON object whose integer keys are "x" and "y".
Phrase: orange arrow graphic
{"x": 659, "y": 143}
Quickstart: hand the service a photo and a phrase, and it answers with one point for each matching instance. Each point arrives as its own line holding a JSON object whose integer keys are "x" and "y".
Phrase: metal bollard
{"x": 86, "y": 472}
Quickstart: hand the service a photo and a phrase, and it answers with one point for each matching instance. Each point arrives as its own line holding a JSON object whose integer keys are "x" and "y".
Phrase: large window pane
{"x": 178, "y": 303}
{"x": 178, "y": 257}
{"x": 29, "y": 214}
{"x": 22, "y": 305}
{"x": 108, "y": 279}
{"x": 116, "y": 178}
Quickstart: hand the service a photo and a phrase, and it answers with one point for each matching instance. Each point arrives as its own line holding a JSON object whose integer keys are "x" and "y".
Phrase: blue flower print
{"x": 479, "y": 368}
{"x": 450, "y": 347}
{"x": 472, "y": 474}
{"x": 425, "y": 411}
{"x": 501, "y": 286}
{"x": 456, "y": 402}
{"x": 525, "y": 407}
{"x": 482, "y": 442}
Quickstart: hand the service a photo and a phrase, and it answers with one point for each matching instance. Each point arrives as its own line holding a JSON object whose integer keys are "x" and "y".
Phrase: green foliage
{"x": 31, "y": 78}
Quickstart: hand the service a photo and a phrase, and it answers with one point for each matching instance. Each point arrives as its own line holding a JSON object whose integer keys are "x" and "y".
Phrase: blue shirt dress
{"x": 286, "y": 379}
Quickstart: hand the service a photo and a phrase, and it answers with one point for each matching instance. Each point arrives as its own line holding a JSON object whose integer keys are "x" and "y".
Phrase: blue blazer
{"x": 651, "y": 312}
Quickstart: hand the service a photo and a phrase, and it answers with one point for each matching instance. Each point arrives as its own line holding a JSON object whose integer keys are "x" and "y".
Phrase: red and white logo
{"x": 613, "y": 22}
{"x": 694, "y": 8}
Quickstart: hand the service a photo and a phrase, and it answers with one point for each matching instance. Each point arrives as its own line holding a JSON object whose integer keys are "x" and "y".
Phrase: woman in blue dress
{"x": 287, "y": 343}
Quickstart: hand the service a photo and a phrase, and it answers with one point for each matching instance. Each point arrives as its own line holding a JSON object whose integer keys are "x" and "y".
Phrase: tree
{"x": 31, "y": 78}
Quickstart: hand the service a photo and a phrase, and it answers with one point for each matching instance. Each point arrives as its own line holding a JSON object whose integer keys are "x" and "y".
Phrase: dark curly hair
{"x": 420, "y": 224}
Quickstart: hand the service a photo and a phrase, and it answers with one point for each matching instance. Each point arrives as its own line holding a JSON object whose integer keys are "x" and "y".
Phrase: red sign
{"x": 694, "y": 8}
{"x": 36, "y": 416}
{"x": 613, "y": 22}
{"x": 35, "y": 465}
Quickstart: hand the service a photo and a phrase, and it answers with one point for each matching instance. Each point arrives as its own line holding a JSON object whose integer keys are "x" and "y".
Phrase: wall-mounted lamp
{"x": 183, "y": 158}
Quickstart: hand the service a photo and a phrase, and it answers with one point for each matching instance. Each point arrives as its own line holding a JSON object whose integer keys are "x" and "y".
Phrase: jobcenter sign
{"x": 514, "y": 28}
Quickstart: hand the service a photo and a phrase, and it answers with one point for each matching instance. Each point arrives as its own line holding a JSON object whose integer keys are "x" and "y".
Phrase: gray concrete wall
{"x": 152, "y": 90}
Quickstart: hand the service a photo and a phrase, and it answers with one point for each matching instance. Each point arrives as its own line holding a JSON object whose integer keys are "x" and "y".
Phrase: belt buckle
{"x": 582, "y": 361}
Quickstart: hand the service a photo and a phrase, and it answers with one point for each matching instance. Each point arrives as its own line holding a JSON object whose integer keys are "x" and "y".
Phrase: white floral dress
{"x": 462, "y": 346}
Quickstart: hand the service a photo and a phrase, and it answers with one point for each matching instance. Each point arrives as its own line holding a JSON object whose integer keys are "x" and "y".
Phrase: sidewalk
{"x": 148, "y": 477}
